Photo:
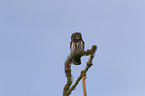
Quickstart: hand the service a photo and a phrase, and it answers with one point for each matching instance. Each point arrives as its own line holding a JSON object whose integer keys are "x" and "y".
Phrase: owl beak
{"x": 77, "y": 37}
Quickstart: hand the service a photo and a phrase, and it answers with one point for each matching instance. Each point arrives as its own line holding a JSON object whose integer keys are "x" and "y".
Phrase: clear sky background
{"x": 35, "y": 37}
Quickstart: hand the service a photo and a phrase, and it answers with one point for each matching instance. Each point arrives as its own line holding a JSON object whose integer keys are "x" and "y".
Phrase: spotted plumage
{"x": 76, "y": 45}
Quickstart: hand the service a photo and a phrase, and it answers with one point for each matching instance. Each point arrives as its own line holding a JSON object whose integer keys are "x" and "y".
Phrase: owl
{"x": 76, "y": 45}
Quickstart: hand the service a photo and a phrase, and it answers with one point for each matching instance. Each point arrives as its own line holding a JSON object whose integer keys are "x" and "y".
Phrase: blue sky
{"x": 35, "y": 37}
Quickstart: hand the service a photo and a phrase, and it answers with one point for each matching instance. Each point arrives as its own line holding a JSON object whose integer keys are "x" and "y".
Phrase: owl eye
{"x": 72, "y": 38}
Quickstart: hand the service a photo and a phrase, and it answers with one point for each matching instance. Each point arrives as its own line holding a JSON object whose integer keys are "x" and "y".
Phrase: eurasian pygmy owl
{"x": 76, "y": 45}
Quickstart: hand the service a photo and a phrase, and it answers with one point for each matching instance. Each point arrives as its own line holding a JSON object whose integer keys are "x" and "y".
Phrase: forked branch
{"x": 67, "y": 90}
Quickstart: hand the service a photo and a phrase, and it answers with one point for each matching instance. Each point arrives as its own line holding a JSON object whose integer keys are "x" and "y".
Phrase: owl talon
{"x": 76, "y": 63}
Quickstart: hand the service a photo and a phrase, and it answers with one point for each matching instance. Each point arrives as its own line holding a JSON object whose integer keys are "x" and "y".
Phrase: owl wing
{"x": 72, "y": 47}
{"x": 70, "y": 44}
{"x": 83, "y": 45}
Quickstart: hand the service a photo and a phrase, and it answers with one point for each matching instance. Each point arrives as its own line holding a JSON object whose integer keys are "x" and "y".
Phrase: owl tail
{"x": 77, "y": 61}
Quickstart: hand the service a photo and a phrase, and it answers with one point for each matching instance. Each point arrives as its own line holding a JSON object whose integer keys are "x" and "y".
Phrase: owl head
{"x": 76, "y": 36}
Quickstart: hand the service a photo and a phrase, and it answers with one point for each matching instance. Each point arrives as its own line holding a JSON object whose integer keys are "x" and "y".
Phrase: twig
{"x": 84, "y": 84}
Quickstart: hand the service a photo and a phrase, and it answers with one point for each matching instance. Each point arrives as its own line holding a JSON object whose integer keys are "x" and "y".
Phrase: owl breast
{"x": 77, "y": 46}
{"x": 80, "y": 46}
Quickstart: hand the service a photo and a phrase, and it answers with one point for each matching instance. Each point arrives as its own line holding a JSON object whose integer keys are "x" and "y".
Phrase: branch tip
{"x": 94, "y": 47}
